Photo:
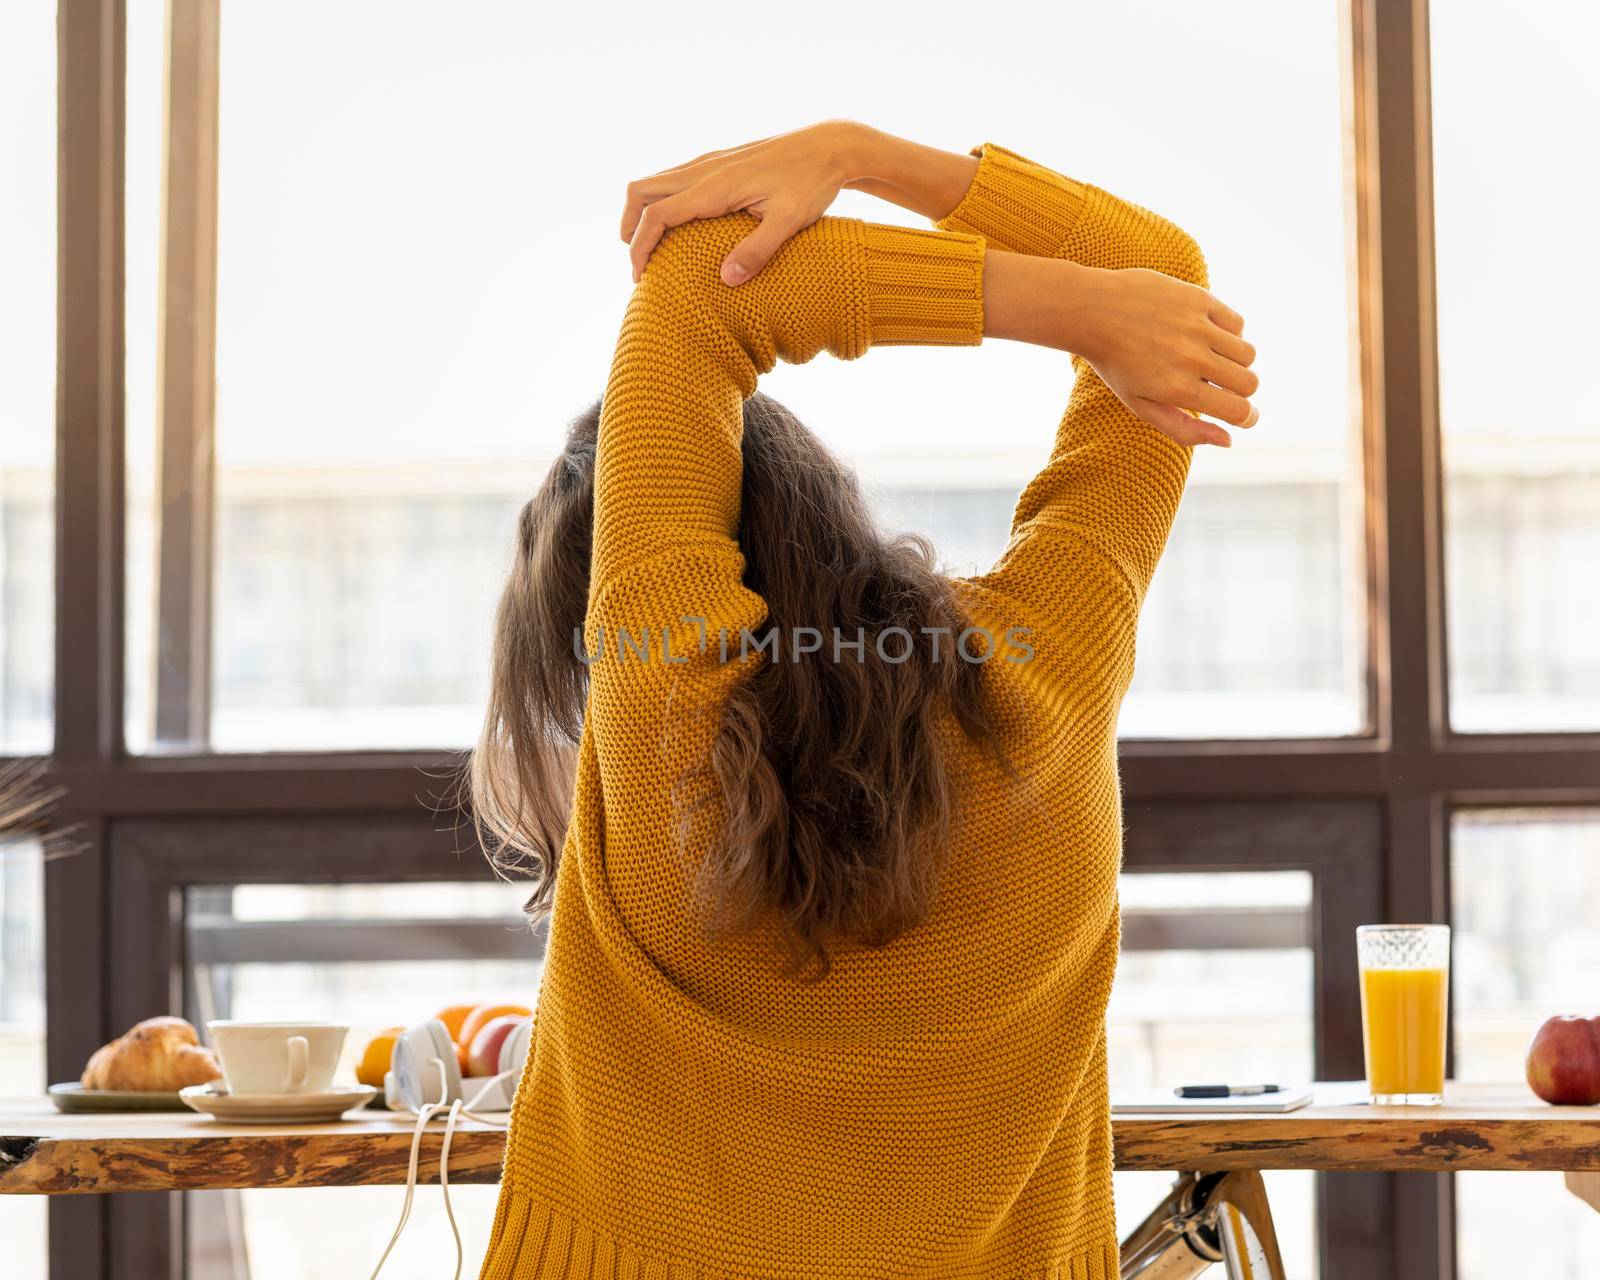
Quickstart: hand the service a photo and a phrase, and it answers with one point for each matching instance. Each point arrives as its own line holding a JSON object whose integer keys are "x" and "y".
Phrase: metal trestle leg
{"x": 1206, "y": 1218}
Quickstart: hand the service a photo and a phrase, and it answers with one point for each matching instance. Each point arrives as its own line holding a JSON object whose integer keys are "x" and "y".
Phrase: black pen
{"x": 1225, "y": 1090}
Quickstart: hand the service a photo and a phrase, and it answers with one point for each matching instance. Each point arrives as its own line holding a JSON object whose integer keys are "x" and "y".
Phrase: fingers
{"x": 1215, "y": 402}
{"x": 671, "y": 181}
{"x": 713, "y": 155}
{"x": 657, "y": 186}
{"x": 1233, "y": 347}
{"x": 661, "y": 216}
{"x": 1221, "y": 313}
{"x": 640, "y": 195}
{"x": 709, "y": 155}
{"x": 1230, "y": 370}
{"x": 1232, "y": 377}
{"x": 1182, "y": 427}
{"x": 756, "y": 249}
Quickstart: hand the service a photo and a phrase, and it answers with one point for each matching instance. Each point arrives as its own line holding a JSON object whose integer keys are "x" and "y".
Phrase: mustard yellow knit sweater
{"x": 936, "y": 1107}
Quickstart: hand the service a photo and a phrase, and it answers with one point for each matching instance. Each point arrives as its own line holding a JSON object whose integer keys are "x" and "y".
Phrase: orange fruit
{"x": 453, "y": 1016}
{"x": 476, "y": 1019}
{"x": 375, "y": 1058}
{"x": 462, "y": 1056}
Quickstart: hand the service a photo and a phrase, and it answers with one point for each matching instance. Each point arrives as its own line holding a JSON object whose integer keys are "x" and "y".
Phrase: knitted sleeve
{"x": 1113, "y": 482}
{"x": 691, "y": 348}
{"x": 668, "y": 611}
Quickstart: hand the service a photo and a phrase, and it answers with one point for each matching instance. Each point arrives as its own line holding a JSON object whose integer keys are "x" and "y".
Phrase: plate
{"x": 277, "y": 1108}
{"x": 72, "y": 1096}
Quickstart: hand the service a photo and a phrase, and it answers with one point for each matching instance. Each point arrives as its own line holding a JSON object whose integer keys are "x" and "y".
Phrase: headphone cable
{"x": 425, "y": 1114}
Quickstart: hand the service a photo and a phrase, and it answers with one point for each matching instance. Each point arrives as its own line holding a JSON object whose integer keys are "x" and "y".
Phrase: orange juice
{"x": 1403, "y": 1012}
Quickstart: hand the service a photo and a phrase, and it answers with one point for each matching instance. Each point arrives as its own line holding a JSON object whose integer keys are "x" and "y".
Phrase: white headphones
{"x": 426, "y": 1070}
{"x": 425, "y": 1078}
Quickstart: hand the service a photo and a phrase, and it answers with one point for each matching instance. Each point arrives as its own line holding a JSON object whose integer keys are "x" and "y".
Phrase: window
{"x": 27, "y": 374}
{"x": 1527, "y": 942}
{"x": 27, "y": 545}
{"x": 1522, "y": 455}
{"x": 22, "y": 1218}
{"x": 403, "y": 280}
{"x": 443, "y": 277}
{"x": 1216, "y": 982}
{"x": 372, "y": 956}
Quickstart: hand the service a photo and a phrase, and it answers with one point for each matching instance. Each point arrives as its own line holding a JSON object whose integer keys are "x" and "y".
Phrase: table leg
{"x": 1586, "y": 1186}
{"x": 1249, "y": 1241}
{"x": 1205, "y": 1219}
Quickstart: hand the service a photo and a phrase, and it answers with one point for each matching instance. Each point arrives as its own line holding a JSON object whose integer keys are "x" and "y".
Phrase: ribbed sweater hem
{"x": 1017, "y": 205}
{"x": 535, "y": 1240}
{"x": 923, "y": 287}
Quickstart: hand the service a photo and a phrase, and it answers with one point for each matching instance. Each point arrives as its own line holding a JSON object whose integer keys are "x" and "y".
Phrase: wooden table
{"x": 1480, "y": 1127}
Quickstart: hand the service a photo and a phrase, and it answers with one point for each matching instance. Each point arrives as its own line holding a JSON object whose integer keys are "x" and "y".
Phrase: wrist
{"x": 858, "y": 150}
{"x": 1024, "y": 299}
{"x": 1047, "y": 302}
{"x": 923, "y": 179}
{"x": 1080, "y": 305}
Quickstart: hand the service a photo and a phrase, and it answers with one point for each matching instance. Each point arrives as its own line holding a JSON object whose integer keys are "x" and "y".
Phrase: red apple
{"x": 483, "y": 1057}
{"x": 1564, "y": 1061}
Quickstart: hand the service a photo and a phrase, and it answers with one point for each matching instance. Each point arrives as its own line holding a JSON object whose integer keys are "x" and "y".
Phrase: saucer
{"x": 277, "y": 1108}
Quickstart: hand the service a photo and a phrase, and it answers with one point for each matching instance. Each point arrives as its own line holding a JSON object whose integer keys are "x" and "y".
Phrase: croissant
{"x": 158, "y": 1055}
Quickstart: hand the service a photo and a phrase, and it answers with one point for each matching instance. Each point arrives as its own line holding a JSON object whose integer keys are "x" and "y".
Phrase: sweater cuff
{"x": 1019, "y": 206}
{"x": 923, "y": 287}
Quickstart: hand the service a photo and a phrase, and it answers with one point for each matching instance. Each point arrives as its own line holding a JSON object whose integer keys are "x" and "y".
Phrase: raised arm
{"x": 1019, "y": 205}
{"x": 1112, "y": 481}
{"x": 1152, "y": 348}
{"x": 691, "y": 350}
{"x": 666, "y": 569}
{"x": 668, "y": 470}
{"x": 791, "y": 179}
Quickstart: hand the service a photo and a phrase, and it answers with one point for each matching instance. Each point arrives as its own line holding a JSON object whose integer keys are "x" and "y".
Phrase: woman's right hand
{"x": 1164, "y": 346}
{"x": 786, "y": 181}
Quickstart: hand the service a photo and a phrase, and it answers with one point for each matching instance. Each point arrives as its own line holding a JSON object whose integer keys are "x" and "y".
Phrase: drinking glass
{"x": 1405, "y": 992}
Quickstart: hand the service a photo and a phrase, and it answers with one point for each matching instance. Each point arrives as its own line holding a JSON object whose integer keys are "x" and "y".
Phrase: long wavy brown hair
{"x": 835, "y": 794}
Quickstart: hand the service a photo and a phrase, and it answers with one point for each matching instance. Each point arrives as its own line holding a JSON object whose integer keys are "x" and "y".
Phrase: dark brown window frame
{"x": 1386, "y": 798}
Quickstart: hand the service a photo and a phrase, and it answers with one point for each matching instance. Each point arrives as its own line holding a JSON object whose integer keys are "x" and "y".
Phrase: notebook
{"x": 1127, "y": 1101}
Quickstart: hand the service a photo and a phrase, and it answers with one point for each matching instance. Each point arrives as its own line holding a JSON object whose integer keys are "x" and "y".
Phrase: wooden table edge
{"x": 56, "y": 1165}
{"x": 42, "y": 1152}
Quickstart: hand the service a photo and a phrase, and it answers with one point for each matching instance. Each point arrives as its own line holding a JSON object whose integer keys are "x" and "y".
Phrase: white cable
{"x": 487, "y": 1085}
{"x": 444, "y": 1178}
{"x": 458, "y": 1109}
{"x": 410, "y": 1175}
{"x": 427, "y": 1113}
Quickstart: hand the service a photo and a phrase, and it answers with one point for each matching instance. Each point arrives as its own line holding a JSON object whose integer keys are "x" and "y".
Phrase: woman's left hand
{"x": 787, "y": 181}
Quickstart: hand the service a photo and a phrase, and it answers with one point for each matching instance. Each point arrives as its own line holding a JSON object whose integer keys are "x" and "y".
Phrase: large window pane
{"x": 1234, "y": 1005}
{"x": 22, "y": 1073}
{"x": 1515, "y": 200}
{"x": 27, "y": 372}
{"x": 412, "y": 301}
{"x": 1527, "y": 945}
{"x": 27, "y": 546}
{"x": 373, "y": 956}
{"x": 1255, "y": 621}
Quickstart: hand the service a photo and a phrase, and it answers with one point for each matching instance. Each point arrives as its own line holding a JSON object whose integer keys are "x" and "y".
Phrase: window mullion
{"x": 186, "y": 378}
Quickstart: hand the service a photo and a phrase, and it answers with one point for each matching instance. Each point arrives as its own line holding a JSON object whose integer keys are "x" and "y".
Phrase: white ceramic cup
{"x": 277, "y": 1057}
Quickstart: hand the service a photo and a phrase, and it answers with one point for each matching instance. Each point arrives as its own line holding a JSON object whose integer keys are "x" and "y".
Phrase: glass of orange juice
{"x": 1405, "y": 992}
